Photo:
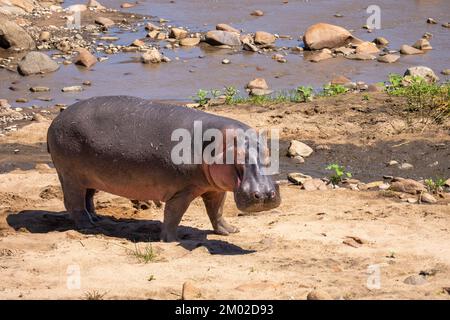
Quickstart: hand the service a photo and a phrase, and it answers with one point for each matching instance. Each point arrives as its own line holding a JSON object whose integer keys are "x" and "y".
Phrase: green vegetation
{"x": 430, "y": 101}
{"x": 331, "y": 90}
{"x": 339, "y": 173}
{"x": 94, "y": 295}
{"x": 202, "y": 97}
{"x": 434, "y": 186}
{"x": 145, "y": 255}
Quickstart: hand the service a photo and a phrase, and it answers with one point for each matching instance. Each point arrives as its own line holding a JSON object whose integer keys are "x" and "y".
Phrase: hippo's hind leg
{"x": 214, "y": 206}
{"x": 90, "y": 206}
{"x": 173, "y": 212}
{"x": 75, "y": 202}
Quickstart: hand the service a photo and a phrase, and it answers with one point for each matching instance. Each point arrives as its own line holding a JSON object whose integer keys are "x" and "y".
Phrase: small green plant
{"x": 330, "y": 90}
{"x": 339, "y": 173}
{"x": 366, "y": 97}
{"x": 94, "y": 295}
{"x": 201, "y": 97}
{"x": 434, "y": 186}
{"x": 429, "y": 101}
{"x": 145, "y": 255}
{"x": 305, "y": 94}
{"x": 215, "y": 93}
{"x": 230, "y": 94}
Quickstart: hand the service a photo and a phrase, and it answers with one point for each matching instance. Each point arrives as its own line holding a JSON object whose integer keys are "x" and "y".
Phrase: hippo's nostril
{"x": 257, "y": 195}
{"x": 271, "y": 194}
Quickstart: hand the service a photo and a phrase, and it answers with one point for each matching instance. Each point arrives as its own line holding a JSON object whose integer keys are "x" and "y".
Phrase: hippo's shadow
{"x": 38, "y": 221}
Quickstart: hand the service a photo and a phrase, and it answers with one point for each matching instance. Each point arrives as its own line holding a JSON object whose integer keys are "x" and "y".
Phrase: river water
{"x": 402, "y": 22}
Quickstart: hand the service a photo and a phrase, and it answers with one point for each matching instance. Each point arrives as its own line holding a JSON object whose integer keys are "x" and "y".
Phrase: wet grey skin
{"x": 122, "y": 145}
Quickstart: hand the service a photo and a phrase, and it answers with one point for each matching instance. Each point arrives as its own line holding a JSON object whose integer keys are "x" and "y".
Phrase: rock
{"x": 104, "y": 22}
{"x": 36, "y": 62}
{"x": 320, "y": 56}
{"x": 341, "y": 80}
{"x": 39, "y": 89}
{"x": 151, "y": 27}
{"x": 77, "y": 8}
{"x": 44, "y": 36}
{"x": 85, "y": 58}
{"x": 427, "y": 35}
{"x": 392, "y": 163}
{"x": 447, "y": 182}
{"x": 361, "y": 56}
{"x": 375, "y": 88}
{"x": 408, "y": 50}
{"x": 189, "y": 42}
{"x": 446, "y": 72}
{"x": 279, "y": 58}
{"x": 151, "y": 56}
{"x": 137, "y": 43}
{"x": 415, "y": 280}
{"x": 314, "y": 184}
{"x": 406, "y": 166}
{"x": 367, "y": 48}
{"x": 371, "y": 185}
{"x": 12, "y": 36}
{"x": 218, "y": 37}
{"x": 257, "y": 13}
{"x": 431, "y": 21}
{"x": 226, "y": 27}
{"x": 95, "y": 4}
{"x": 381, "y": 41}
{"x": 407, "y": 186}
{"x": 388, "y": 58}
{"x": 324, "y": 35}
{"x": 427, "y": 198}
{"x": 262, "y": 37}
{"x": 423, "y": 72}
{"x": 127, "y": 5}
{"x": 258, "y": 83}
{"x": 422, "y": 44}
{"x": 298, "y": 178}
{"x": 297, "y": 148}
{"x": 178, "y": 33}
{"x": 260, "y": 92}
{"x": 318, "y": 295}
{"x": 446, "y": 25}
{"x": 190, "y": 291}
{"x": 72, "y": 89}
{"x": 226, "y": 61}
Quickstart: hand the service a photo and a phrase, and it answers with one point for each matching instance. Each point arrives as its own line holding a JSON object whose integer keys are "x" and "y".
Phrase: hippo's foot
{"x": 83, "y": 219}
{"x": 224, "y": 228}
{"x": 167, "y": 236}
{"x": 95, "y": 217}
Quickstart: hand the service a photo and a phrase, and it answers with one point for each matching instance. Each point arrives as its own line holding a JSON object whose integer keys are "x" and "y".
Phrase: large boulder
{"x": 423, "y": 72}
{"x": 218, "y": 37}
{"x": 12, "y": 36}
{"x": 37, "y": 63}
{"x": 16, "y": 7}
{"x": 324, "y": 35}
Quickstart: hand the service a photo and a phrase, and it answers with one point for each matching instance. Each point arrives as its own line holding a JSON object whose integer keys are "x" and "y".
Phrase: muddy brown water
{"x": 402, "y": 22}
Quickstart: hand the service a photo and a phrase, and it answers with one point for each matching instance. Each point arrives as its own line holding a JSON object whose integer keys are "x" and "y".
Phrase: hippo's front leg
{"x": 214, "y": 206}
{"x": 173, "y": 212}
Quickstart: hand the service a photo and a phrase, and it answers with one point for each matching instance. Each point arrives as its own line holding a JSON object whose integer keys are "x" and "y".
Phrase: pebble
{"x": 431, "y": 21}
{"x": 427, "y": 198}
{"x": 297, "y": 148}
{"x": 415, "y": 280}
{"x": 226, "y": 61}
{"x": 405, "y": 166}
{"x": 39, "y": 89}
{"x": 257, "y": 13}
{"x": 318, "y": 295}
{"x": 72, "y": 89}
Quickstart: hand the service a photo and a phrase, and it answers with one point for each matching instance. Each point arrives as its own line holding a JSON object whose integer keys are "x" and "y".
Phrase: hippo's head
{"x": 253, "y": 190}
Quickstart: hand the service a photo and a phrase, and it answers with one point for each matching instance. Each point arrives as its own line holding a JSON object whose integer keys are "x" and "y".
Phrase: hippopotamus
{"x": 123, "y": 145}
